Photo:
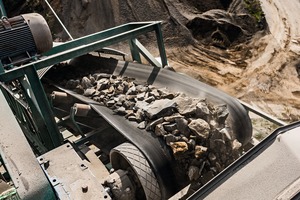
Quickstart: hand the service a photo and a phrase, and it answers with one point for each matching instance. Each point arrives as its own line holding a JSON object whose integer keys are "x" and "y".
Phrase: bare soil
{"x": 260, "y": 69}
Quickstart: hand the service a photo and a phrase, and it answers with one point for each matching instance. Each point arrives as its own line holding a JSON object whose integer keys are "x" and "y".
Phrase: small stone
{"x": 129, "y": 113}
{"x": 214, "y": 170}
{"x": 92, "y": 79}
{"x": 173, "y": 117}
{"x": 193, "y": 173}
{"x": 222, "y": 113}
{"x": 139, "y": 115}
{"x": 141, "y": 88}
{"x": 220, "y": 146}
{"x": 132, "y": 118}
{"x": 151, "y": 125}
{"x": 176, "y": 132}
{"x": 89, "y": 92}
{"x": 86, "y": 82}
{"x": 213, "y": 124}
{"x": 170, "y": 127}
{"x": 192, "y": 143}
{"x": 182, "y": 126}
{"x": 219, "y": 167}
{"x": 140, "y": 97}
{"x": 150, "y": 99}
{"x": 212, "y": 158}
{"x": 236, "y": 145}
{"x": 79, "y": 89}
{"x": 142, "y": 125}
{"x": 141, "y": 105}
{"x": 179, "y": 147}
{"x": 98, "y": 76}
{"x": 120, "y": 111}
{"x": 170, "y": 138}
{"x": 110, "y": 103}
{"x": 72, "y": 84}
{"x": 202, "y": 110}
{"x": 131, "y": 91}
{"x": 154, "y": 93}
{"x": 159, "y": 130}
{"x": 165, "y": 94}
{"x": 226, "y": 134}
{"x": 101, "y": 86}
{"x": 200, "y": 128}
{"x": 200, "y": 151}
{"x": 128, "y": 105}
{"x": 111, "y": 90}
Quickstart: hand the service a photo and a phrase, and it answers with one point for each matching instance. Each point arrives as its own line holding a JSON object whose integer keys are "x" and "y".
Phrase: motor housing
{"x": 23, "y": 37}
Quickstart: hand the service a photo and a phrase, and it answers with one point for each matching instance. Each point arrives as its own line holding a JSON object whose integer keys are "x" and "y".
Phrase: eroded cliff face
{"x": 184, "y": 22}
{"x": 224, "y": 43}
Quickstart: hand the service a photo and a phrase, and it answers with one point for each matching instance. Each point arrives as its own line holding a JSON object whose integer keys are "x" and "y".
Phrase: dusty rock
{"x": 142, "y": 105}
{"x": 200, "y": 151}
{"x": 140, "y": 116}
{"x": 185, "y": 105}
{"x": 165, "y": 93}
{"x": 159, "y": 130}
{"x": 193, "y": 173}
{"x": 170, "y": 127}
{"x": 86, "y": 83}
{"x": 202, "y": 110}
{"x": 236, "y": 145}
{"x": 200, "y": 128}
{"x": 173, "y": 117}
{"x": 121, "y": 111}
{"x": 142, "y": 125}
{"x": 182, "y": 126}
{"x": 110, "y": 103}
{"x": 222, "y": 113}
{"x": 170, "y": 138}
{"x": 178, "y": 147}
{"x": 160, "y": 108}
{"x": 89, "y": 92}
{"x": 152, "y": 124}
{"x": 72, "y": 84}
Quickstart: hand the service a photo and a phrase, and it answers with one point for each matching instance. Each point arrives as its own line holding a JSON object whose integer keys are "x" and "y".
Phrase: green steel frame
{"x": 34, "y": 114}
{"x": 2, "y": 10}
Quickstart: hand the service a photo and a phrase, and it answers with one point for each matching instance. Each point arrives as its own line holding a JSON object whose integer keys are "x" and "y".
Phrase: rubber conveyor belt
{"x": 159, "y": 159}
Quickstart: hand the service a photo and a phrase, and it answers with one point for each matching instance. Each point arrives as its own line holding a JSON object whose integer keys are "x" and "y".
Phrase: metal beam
{"x": 2, "y": 10}
{"x": 146, "y": 54}
{"x": 88, "y": 44}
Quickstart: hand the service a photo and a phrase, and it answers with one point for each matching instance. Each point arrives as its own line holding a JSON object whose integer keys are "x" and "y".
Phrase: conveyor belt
{"x": 159, "y": 158}
{"x": 238, "y": 117}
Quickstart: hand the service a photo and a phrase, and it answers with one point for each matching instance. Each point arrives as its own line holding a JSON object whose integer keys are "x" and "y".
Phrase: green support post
{"x": 2, "y": 10}
{"x": 134, "y": 51}
{"x": 52, "y": 136}
{"x": 161, "y": 46}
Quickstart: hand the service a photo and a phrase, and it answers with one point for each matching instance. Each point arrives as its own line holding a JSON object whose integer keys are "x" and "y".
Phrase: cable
{"x": 59, "y": 20}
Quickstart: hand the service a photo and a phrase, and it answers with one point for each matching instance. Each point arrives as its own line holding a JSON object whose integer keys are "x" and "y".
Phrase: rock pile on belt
{"x": 194, "y": 129}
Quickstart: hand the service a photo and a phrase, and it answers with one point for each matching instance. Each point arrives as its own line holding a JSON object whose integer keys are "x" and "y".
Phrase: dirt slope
{"x": 261, "y": 70}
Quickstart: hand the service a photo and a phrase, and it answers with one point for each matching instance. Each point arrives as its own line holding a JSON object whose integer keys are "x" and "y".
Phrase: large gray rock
{"x": 200, "y": 128}
{"x": 186, "y": 105}
{"x": 159, "y": 108}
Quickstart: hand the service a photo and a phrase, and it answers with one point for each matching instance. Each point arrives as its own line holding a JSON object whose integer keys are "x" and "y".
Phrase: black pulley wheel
{"x": 128, "y": 157}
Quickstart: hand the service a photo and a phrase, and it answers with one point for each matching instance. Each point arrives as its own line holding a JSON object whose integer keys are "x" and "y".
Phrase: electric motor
{"x": 23, "y": 37}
